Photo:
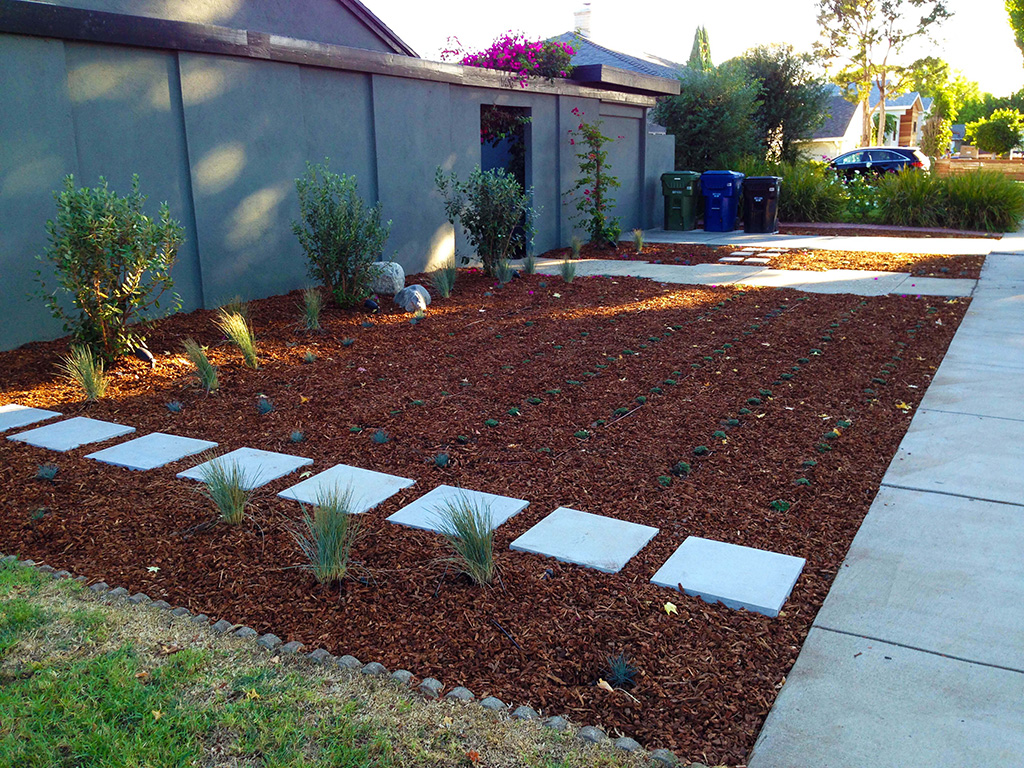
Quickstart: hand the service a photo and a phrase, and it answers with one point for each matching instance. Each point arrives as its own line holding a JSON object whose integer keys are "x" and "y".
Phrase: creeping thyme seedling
{"x": 641, "y": 399}
{"x": 296, "y": 437}
{"x": 462, "y": 439}
{"x": 680, "y": 469}
{"x": 534, "y": 400}
{"x": 753, "y": 401}
{"x": 655, "y": 390}
{"x": 441, "y": 460}
{"x": 347, "y": 342}
{"x": 719, "y": 435}
{"x": 701, "y": 450}
{"x": 844, "y": 424}
{"x": 620, "y": 411}
{"x": 670, "y": 382}
{"x": 780, "y": 505}
{"x": 810, "y": 463}
{"x": 355, "y": 430}
{"x": 582, "y": 434}
{"x": 491, "y": 422}
{"x": 553, "y": 392}
{"x": 732, "y": 422}
{"x": 785, "y": 376}
{"x": 803, "y": 481}
{"x": 764, "y": 392}
{"x": 664, "y": 481}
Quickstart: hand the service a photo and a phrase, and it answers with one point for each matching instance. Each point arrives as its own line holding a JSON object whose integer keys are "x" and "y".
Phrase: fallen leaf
{"x": 252, "y": 694}
{"x": 902, "y": 406}
{"x": 169, "y": 650}
{"x": 153, "y": 568}
{"x": 303, "y": 399}
{"x": 670, "y": 608}
{"x": 141, "y": 675}
{"x": 473, "y": 756}
{"x": 605, "y": 685}
{"x": 157, "y": 714}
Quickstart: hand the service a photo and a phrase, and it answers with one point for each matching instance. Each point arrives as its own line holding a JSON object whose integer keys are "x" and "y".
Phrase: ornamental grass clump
{"x": 340, "y": 234}
{"x": 236, "y": 328}
{"x": 619, "y": 671}
{"x": 205, "y": 370}
{"x": 80, "y": 367}
{"x": 469, "y": 531}
{"x": 113, "y": 264}
{"x": 503, "y": 271}
{"x": 229, "y": 487}
{"x": 638, "y": 241}
{"x": 326, "y": 537}
{"x": 530, "y": 264}
{"x": 443, "y": 278}
{"x": 567, "y": 271}
{"x": 312, "y": 303}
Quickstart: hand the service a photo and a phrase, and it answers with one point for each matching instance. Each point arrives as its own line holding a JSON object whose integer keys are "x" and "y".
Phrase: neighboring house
{"x": 841, "y": 131}
{"x": 217, "y": 105}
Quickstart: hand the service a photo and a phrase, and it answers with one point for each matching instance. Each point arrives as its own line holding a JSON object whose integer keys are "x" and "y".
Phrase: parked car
{"x": 879, "y": 160}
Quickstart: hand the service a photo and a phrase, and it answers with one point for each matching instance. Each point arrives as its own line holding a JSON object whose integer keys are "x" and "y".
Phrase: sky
{"x": 977, "y": 40}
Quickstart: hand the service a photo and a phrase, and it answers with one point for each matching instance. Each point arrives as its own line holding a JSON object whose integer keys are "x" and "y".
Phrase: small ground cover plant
{"x": 312, "y": 304}
{"x": 82, "y": 368}
{"x": 112, "y": 262}
{"x": 205, "y": 370}
{"x": 443, "y": 278}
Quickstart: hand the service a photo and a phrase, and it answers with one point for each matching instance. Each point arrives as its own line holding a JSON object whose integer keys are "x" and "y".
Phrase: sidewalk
{"x": 917, "y": 655}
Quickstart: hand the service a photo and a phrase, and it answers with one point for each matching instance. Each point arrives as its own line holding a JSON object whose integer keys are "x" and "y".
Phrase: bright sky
{"x": 977, "y": 41}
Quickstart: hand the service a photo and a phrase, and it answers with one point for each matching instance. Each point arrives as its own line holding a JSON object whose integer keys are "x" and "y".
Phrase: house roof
{"x": 382, "y": 30}
{"x": 959, "y": 131}
{"x": 841, "y": 112}
{"x": 903, "y": 101}
{"x": 589, "y": 52}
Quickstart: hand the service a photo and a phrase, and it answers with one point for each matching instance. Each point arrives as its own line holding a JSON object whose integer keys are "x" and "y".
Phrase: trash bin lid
{"x": 762, "y": 185}
{"x": 682, "y": 180}
{"x": 762, "y": 180}
{"x": 721, "y": 180}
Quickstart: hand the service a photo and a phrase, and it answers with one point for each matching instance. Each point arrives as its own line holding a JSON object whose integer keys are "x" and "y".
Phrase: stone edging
{"x": 430, "y": 687}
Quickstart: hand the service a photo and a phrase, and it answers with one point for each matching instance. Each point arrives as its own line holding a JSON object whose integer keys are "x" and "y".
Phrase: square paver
{"x": 260, "y": 467}
{"x": 14, "y": 415}
{"x": 935, "y": 286}
{"x": 737, "y": 577}
{"x": 368, "y": 488}
{"x": 731, "y": 259}
{"x": 594, "y": 541}
{"x": 758, "y": 260}
{"x": 861, "y": 282}
{"x": 742, "y": 253}
{"x": 426, "y": 511}
{"x": 151, "y": 451}
{"x": 71, "y": 433}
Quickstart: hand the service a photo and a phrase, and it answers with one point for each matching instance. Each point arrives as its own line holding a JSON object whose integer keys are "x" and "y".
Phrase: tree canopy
{"x": 700, "y": 54}
{"x": 1015, "y": 10}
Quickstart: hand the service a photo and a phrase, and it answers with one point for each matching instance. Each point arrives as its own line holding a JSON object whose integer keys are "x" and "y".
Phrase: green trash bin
{"x": 681, "y": 190}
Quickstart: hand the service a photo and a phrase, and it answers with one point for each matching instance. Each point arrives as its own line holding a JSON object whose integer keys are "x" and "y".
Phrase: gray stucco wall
{"x": 323, "y": 21}
{"x": 659, "y": 158}
{"x": 223, "y": 138}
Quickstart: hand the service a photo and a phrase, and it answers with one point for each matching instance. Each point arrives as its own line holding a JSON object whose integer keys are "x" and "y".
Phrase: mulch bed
{"x": 917, "y": 264}
{"x": 875, "y": 230}
{"x": 707, "y": 675}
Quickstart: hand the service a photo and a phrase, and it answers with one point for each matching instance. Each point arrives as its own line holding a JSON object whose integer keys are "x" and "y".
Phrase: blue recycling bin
{"x": 721, "y": 190}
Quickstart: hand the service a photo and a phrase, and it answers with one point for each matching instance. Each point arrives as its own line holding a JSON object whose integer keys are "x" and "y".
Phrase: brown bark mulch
{"x": 877, "y": 230}
{"x": 917, "y": 264}
{"x": 649, "y": 372}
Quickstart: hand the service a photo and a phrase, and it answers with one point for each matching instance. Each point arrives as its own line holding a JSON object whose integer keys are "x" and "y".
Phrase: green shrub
{"x": 235, "y": 327}
{"x": 910, "y": 199}
{"x": 340, "y": 234}
{"x": 205, "y": 370}
{"x": 312, "y": 303}
{"x": 327, "y": 536}
{"x": 443, "y": 278}
{"x": 112, "y": 261}
{"x": 982, "y": 200}
{"x": 493, "y": 209}
{"x": 468, "y": 529}
{"x": 228, "y": 486}
{"x": 999, "y": 133}
{"x": 81, "y": 368}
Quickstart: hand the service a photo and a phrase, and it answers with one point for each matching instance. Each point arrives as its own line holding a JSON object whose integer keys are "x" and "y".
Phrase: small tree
{"x": 700, "y": 53}
{"x": 341, "y": 236}
{"x": 595, "y": 203}
{"x": 493, "y": 209}
{"x": 998, "y": 134}
{"x": 113, "y": 262}
{"x": 936, "y": 136}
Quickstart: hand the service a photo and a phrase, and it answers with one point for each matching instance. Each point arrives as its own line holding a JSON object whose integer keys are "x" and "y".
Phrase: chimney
{"x": 581, "y": 21}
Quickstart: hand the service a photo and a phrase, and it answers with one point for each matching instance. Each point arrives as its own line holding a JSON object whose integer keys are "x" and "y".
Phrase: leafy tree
{"x": 710, "y": 118}
{"x": 998, "y": 134}
{"x": 792, "y": 101}
{"x": 950, "y": 91}
{"x": 867, "y": 35}
{"x": 1015, "y": 10}
{"x": 936, "y": 136}
{"x": 700, "y": 54}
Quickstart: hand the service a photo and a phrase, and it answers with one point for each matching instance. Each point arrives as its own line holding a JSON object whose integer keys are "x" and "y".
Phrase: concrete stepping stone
{"x": 425, "y": 513}
{"x": 759, "y": 259}
{"x": 593, "y": 541}
{"x": 15, "y": 415}
{"x": 368, "y": 488}
{"x": 71, "y": 433}
{"x": 151, "y": 451}
{"x": 742, "y": 253}
{"x": 731, "y": 259}
{"x": 260, "y": 467}
{"x": 736, "y": 576}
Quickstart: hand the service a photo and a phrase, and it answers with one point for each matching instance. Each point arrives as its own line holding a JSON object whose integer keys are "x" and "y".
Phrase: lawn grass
{"x": 84, "y": 683}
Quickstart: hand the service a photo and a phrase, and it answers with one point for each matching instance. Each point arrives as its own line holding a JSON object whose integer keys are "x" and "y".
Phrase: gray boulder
{"x": 413, "y": 298}
{"x": 388, "y": 278}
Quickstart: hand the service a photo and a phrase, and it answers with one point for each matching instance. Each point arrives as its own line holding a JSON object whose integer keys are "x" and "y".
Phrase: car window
{"x": 885, "y": 156}
{"x": 853, "y": 157}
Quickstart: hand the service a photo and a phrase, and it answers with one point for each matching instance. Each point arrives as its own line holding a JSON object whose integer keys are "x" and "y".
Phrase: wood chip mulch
{"x": 917, "y": 264}
{"x": 648, "y": 372}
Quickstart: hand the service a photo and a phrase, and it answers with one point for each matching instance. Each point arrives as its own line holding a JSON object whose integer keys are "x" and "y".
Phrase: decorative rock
{"x": 592, "y": 734}
{"x": 293, "y": 647}
{"x": 269, "y": 641}
{"x": 663, "y": 757}
{"x": 181, "y": 612}
{"x": 403, "y": 676}
{"x": 413, "y": 298}
{"x": 245, "y": 632}
{"x": 32, "y": 564}
{"x": 349, "y": 662}
{"x": 116, "y": 593}
{"x": 320, "y": 656}
{"x": 201, "y": 618}
{"x": 9, "y": 559}
{"x": 431, "y": 688}
{"x": 47, "y": 569}
{"x": 460, "y": 693}
{"x": 627, "y": 744}
{"x": 388, "y": 277}
{"x": 222, "y": 626}
{"x": 523, "y": 712}
{"x": 374, "y": 668}
{"x": 100, "y": 588}
{"x": 62, "y": 575}
{"x": 163, "y": 605}
{"x": 139, "y": 598}
{"x": 556, "y": 722}
{"x": 493, "y": 704}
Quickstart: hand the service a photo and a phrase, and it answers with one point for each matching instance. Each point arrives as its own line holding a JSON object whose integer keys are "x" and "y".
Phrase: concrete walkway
{"x": 917, "y": 655}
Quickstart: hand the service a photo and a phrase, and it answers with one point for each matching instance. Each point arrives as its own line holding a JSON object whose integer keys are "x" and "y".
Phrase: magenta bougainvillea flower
{"x": 512, "y": 52}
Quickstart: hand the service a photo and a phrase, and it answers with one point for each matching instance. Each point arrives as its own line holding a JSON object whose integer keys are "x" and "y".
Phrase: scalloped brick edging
{"x": 430, "y": 687}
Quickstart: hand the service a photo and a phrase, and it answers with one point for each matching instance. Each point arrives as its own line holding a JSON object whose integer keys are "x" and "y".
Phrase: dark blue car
{"x": 879, "y": 160}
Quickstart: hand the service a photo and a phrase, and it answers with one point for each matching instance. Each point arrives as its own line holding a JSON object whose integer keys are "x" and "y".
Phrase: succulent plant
{"x": 680, "y": 469}
{"x": 441, "y": 460}
{"x": 308, "y": 358}
{"x": 701, "y": 450}
{"x": 491, "y": 422}
{"x": 380, "y": 437}
{"x": 264, "y": 405}
{"x": 780, "y": 505}
{"x": 664, "y": 481}
{"x": 174, "y": 406}
{"x": 582, "y": 434}
{"x": 47, "y": 472}
{"x": 513, "y": 411}
{"x": 296, "y": 437}
{"x": 619, "y": 671}
{"x": 719, "y": 435}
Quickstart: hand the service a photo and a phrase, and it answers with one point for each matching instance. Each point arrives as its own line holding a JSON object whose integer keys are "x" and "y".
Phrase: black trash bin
{"x": 761, "y": 204}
